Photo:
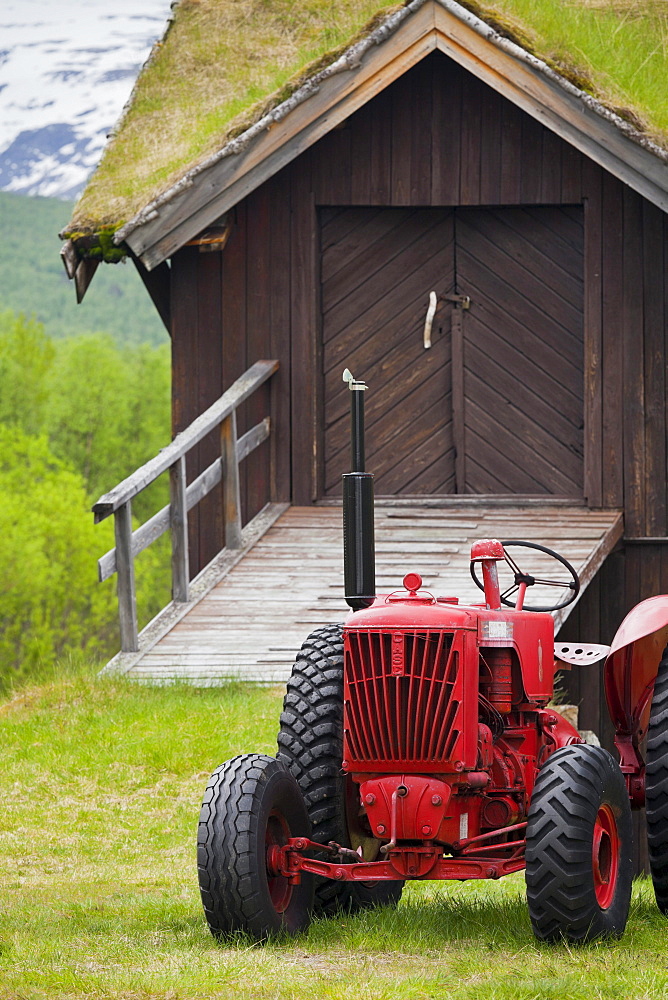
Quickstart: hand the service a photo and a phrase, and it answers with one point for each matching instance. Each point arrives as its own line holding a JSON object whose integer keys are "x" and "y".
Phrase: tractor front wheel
{"x": 656, "y": 786}
{"x": 251, "y": 804}
{"x": 310, "y": 744}
{"x": 578, "y": 848}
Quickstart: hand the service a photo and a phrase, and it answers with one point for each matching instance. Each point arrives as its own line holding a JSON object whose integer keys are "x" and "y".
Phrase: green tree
{"x": 33, "y": 279}
{"x": 104, "y": 408}
{"x": 26, "y": 358}
{"x": 76, "y": 417}
{"x": 108, "y": 412}
{"x": 50, "y": 602}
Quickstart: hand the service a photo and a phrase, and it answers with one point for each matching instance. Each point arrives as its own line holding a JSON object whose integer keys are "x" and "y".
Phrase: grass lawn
{"x": 101, "y": 782}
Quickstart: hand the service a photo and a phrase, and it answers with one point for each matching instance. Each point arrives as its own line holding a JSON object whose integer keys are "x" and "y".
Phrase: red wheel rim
{"x": 605, "y": 856}
{"x": 276, "y": 835}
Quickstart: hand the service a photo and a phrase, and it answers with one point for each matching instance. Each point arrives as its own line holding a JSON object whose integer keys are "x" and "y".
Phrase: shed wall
{"x": 436, "y": 137}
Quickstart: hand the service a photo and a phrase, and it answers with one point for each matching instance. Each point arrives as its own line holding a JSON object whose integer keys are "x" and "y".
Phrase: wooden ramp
{"x": 256, "y": 613}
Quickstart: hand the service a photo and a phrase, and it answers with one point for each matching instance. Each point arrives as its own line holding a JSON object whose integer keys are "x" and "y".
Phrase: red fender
{"x": 631, "y": 666}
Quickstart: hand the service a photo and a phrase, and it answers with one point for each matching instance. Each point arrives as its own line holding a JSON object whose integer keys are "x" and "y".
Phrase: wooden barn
{"x": 432, "y": 153}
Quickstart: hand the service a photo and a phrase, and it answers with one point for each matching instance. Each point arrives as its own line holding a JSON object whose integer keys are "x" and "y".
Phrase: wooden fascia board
{"x": 552, "y": 105}
{"x": 221, "y": 187}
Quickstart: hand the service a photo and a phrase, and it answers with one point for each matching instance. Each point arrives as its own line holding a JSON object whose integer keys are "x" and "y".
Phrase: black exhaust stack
{"x": 359, "y": 557}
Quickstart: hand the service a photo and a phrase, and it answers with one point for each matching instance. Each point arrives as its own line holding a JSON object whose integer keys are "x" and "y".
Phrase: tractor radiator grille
{"x": 403, "y": 699}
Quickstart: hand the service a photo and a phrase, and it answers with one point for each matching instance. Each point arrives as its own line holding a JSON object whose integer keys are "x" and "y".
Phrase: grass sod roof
{"x": 224, "y": 64}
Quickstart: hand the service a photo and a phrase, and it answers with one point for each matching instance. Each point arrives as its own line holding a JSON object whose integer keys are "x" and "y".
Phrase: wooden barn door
{"x": 496, "y": 404}
{"x": 520, "y": 371}
{"x": 378, "y": 267}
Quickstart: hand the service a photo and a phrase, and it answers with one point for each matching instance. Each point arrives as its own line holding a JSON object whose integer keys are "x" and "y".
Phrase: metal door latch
{"x": 459, "y": 300}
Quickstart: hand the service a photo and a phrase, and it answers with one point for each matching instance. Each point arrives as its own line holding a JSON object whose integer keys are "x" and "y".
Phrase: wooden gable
{"x": 363, "y": 72}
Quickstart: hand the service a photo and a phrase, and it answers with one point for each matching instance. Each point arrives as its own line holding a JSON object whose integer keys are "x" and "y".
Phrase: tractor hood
{"x": 631, "y": 665}
{"x": 399, "y": 610}
{"x": 530, "y": 634}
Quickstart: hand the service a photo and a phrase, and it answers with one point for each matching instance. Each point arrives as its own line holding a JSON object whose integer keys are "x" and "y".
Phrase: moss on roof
{"x": 223, "y": 63}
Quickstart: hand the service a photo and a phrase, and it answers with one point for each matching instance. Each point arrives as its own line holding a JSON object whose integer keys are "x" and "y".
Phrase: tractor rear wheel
{"x": 310, "y": 744}
{"x": 578, "y": 849}
{"x": 656, "y": 786}
{"x": 251, "y": 804}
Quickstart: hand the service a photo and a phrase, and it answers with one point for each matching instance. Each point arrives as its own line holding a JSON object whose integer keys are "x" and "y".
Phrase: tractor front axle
{"x": 402, "y": 862}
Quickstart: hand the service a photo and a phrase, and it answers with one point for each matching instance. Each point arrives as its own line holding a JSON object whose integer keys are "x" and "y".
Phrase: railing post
{"x": 231, "y": 495}
{"x": 178, "y": 522}
{"x": 127, "y": 606}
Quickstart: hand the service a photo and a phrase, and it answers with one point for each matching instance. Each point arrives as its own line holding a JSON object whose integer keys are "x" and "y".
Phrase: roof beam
{"x": 83, "y": 276}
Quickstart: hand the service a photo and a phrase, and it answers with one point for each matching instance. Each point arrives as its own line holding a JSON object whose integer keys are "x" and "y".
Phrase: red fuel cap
{"x": 412, "y": 582}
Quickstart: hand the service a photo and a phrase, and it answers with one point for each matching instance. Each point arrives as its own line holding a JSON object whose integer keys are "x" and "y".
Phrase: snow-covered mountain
{"x": 67, "y": 67}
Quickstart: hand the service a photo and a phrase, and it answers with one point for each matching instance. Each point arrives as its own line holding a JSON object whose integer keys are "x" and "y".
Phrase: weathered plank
{"x": 458, "y": 396}
{"x": 279, "y": 345}
{"x": 206, "y": 374}
{"x": 83, "y": 276}
{"x": 304, "y": 320}
{"x": 256, "y": 490}
{"x": 178, "y": 518}
{"x": 231, "y": 494}
{"x": 632, "y": 321}
{"x": 127, "y": 605}
{"x": 654, "y": 279}
{"x": 158, "y": 285}
{"x": 612, "y": 341}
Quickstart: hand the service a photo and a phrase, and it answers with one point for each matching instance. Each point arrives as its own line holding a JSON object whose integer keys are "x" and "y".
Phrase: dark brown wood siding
{"x": 495, "y": 405}
{"x": 377, "y": 269}
{"x": 439, "y": 138}
{"x": 522, "y": 349}
{"x": 436, "y": 137}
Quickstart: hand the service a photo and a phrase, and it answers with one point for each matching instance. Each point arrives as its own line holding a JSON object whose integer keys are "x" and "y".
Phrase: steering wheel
{"x": 519, "y": 577}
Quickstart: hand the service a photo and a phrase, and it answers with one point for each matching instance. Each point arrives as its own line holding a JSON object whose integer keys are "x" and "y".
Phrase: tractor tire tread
{"x": 656, "y": 786}
{"x": 310, "y": 744}
{"x": 230, "y": 886}
{"x": 564, "y": 804}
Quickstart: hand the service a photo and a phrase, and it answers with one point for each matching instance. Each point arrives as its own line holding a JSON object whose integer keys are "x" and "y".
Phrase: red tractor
{"x": 417, "y": 741}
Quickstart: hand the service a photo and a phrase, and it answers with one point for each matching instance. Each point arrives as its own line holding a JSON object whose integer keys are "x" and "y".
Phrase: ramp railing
{"x": 182, "y": 497}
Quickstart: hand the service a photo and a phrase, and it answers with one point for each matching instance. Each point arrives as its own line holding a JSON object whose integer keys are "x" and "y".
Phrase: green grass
{"x": 621, "y": 46}
{"x": 101, "y": 783}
